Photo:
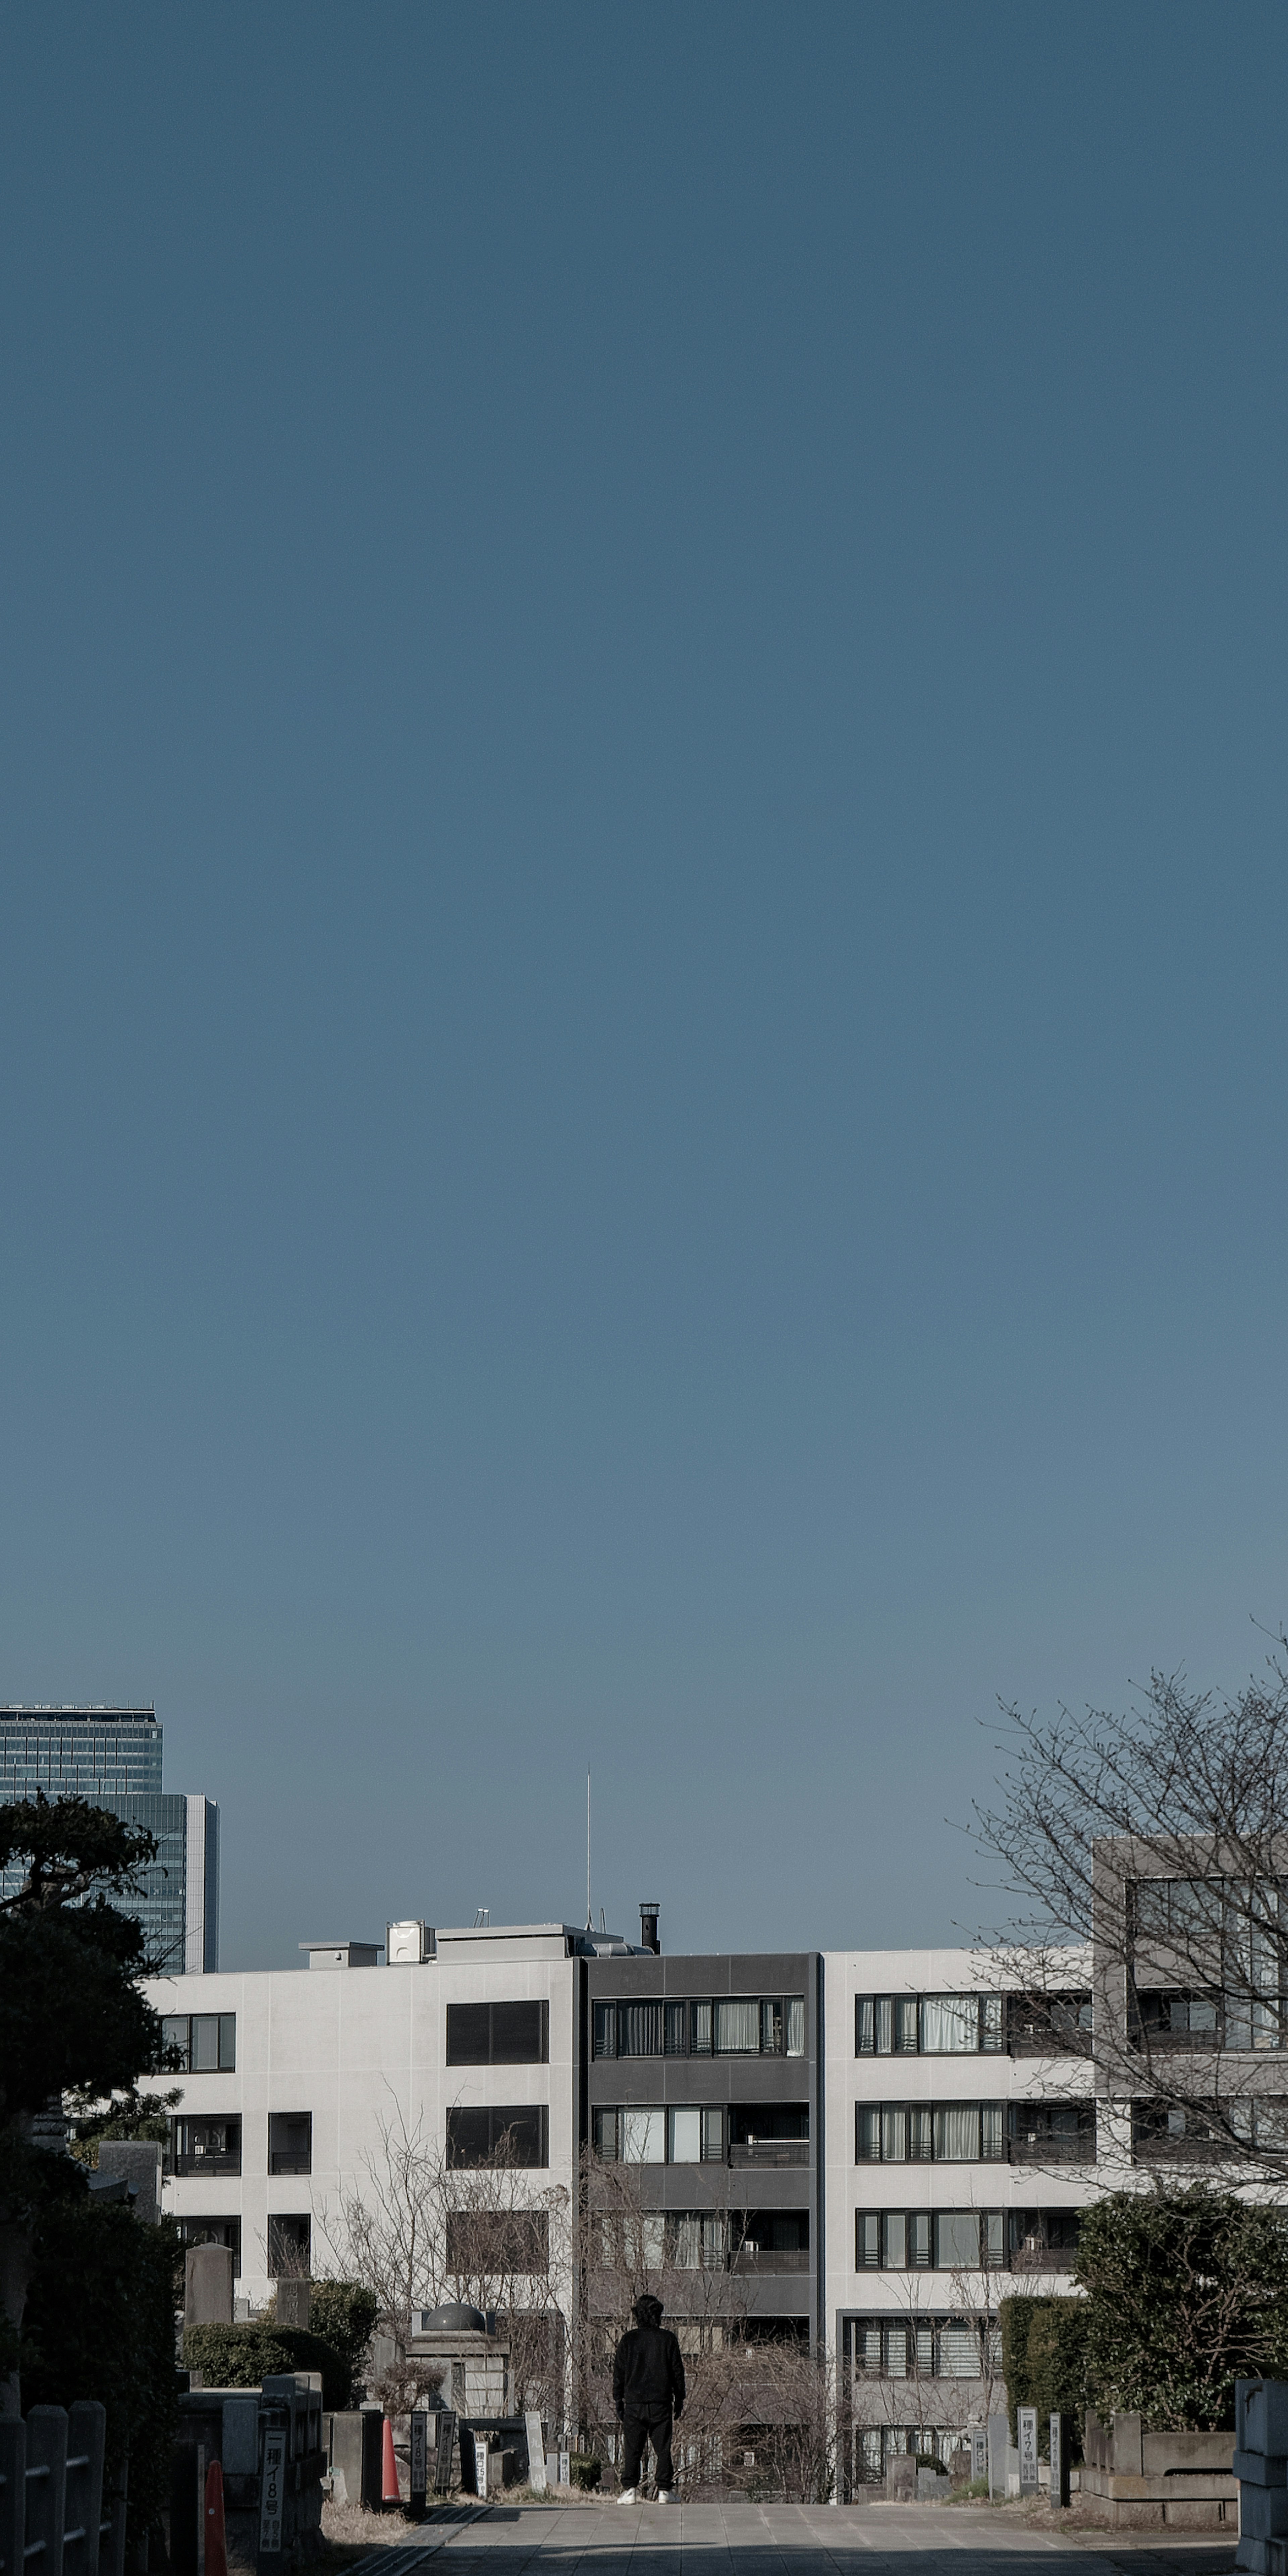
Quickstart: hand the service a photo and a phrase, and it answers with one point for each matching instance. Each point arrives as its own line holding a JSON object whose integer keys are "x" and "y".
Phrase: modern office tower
{"x": 112, "y": 1756}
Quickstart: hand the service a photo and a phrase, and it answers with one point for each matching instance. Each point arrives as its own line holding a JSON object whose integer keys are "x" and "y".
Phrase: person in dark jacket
{"x": 648, "y": 2393}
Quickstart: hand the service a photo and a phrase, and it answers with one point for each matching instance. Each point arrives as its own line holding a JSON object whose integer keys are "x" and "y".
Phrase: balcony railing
{"x": 771, "y": 2258}
{"x": 225, "y": 2164}
{"x": 769, "y": 2151}
{"x": 1054, "y": 2151}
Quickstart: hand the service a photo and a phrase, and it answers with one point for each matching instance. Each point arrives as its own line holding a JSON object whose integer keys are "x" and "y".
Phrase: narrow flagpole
{"x": 588, "y": 1851}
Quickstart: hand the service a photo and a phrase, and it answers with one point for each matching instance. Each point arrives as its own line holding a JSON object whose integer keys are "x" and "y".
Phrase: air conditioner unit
{"x": 407, "y": 1944}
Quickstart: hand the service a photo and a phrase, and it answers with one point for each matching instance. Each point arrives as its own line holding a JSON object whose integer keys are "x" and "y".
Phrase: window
{"x": 492, "y": 2242}
{"x": 934, "y": 2347}
{"x": 290, "y": 2142}
{"x": 213, "y": 2231}
{"x": 697, "y": 2240}
{"x": 922, "y": 2240}
{"x": 922, "y": 2132}
{"x": 724, "y": 2026}
{"x": 515, "y": 2034}
{"x": 688, "y": 2134}
{"x": 205, "y": 2043}
{"x": 206, "y": 2146}
{"x": 1049, "y": 2025}
{"x": 927, "y": 2025}
{"x": 289, "y": 2245}
{"x": 1052, "y": 2132}
{"x": 1043, "y": 2239}
{"x": 771, "y": 2240}
{"x": 499, "y": 2133}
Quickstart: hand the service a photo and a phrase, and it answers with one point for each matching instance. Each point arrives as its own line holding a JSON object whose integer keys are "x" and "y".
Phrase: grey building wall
{"x": 774, "y": 2285}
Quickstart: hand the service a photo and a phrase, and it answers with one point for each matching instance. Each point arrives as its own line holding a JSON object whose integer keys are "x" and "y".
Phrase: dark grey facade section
{"x": 672, "y": 2049}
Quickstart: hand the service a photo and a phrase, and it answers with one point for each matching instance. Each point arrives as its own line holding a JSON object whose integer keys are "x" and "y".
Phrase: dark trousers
{"x": 654, "y": 2427}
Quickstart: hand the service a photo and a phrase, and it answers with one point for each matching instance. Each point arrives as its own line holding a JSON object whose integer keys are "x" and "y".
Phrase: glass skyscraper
{"x": 112, "y": 1756}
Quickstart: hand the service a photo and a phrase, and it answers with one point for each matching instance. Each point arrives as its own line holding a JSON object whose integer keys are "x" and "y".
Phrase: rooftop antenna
{"x": 589, "y": 1917}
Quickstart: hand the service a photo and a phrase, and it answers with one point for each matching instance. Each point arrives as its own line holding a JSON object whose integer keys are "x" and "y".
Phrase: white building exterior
{"x": 956, "y": 2158}
{"x": 298, "y": 2069}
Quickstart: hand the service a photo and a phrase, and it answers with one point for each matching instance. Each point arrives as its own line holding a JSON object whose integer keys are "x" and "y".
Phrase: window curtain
{"x": 867, "y": 2133}
{"x": 738, "y": 2027}
{"x": 990, "y": 2123}
{"x": 949, "y": 2025}
{"x": 920, "y": 2133}
{"x": 605, "y": 2030}
{"x": 958, "y": 2231}
{"x": 894, "y": 2133}
{"x": 957, "y": 2127}
{"x": 688, "y": 2244}
{"x": 639, "y": 2030}
{"x": 686, "y": 2137}
{"x": 896, "y": 2353}
{"x": 796, "y": 2025}
{"x": 643, "y": 2136}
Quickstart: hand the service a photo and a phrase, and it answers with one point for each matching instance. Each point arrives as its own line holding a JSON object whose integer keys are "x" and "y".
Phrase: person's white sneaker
{"x": 627, "y": 2496}
{"x": 664, "y": 2495}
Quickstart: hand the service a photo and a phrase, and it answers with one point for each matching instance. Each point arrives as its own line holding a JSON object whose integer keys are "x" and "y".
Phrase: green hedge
{"x": 1044, "y": 2359}
{"x": 240, "y": 2357}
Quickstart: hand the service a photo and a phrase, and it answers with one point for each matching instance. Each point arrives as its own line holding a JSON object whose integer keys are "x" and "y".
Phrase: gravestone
{"x": 901, "y": 2478}
{"x": 137, "y": 2162}
{"x": 294, "y": 2299}
{"x": 978, "y": 2451}
{"x": 208, "y": 2286}
{"x": 999, "y": 2443}
{"x": 536, "y": 2455}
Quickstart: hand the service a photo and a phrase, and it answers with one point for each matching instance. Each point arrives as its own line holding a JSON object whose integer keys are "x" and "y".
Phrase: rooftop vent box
{"x": 407, "y": 1944}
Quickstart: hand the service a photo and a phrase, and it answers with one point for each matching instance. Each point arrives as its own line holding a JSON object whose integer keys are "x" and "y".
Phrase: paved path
{"x": 738, "y": 2539}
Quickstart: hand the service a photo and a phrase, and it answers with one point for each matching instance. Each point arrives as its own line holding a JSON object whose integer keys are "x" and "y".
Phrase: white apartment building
{"x": 290, "y": 2076}
{"x": 959, "y": 2127}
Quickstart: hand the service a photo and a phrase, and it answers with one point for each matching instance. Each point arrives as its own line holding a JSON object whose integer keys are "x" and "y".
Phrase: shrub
{"x": 585, "y": 2470}
{"x": 1044, "y": 2344}
{"x": 241, "y": 2356}
{"x": 1187, "y": 2292}
{"x": 344, "y": 2314}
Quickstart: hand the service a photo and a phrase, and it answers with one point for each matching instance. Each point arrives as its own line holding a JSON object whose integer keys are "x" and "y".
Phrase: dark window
{"x": 483, "y": 2243}
{"x": 922, "y": 2347}
{"x": 1043, "y": 2238}
{"x": 515, "y": 2034}
{"x": 289, "y": 2246}
{"x": 1048, "y": 2025}
{"x": 1162, "y": 2018}
{"x": 202, "y": 2043}
{"x": 206, "y": 2146}
{"x": 290, "y": 2142}
{"x": 499, "y": 2133}
{"x": 1052, "y": 2132}
{"x": 213, "y": 2231}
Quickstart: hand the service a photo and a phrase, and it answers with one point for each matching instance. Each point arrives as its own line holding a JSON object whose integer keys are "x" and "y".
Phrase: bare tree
{"x": 803, "y": 2432}
{"x": 1157, "y": 1837}
{"x": 418, "y": 2231}
{"x": 691, "y": 2263}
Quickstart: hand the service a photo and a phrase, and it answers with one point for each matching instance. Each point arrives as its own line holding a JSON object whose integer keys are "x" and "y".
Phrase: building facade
{"x": 961, "y": 2128}
{"x": 298, "y": 2086}
{"x": 113, "y": 1757}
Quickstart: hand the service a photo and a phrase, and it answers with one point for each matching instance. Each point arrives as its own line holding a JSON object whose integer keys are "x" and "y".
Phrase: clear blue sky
{"x": 643, "y": 923}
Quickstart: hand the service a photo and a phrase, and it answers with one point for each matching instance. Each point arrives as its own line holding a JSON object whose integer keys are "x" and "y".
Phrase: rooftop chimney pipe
{"x": 648, "y": 1926}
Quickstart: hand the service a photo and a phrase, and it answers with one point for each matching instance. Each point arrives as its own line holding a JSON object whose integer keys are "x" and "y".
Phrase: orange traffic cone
{"x": 216, "y": 2549}
{"x": 389, "y": 2490}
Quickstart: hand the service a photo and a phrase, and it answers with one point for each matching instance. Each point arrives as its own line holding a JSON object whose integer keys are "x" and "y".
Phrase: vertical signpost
{"x": 1061, "y": 2428}
{"x": 1027, "y": 2425}
{"x": 419, "y": 2480}
{"x": 272, "y": 2487}
{"x": 978, "y": 2452}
